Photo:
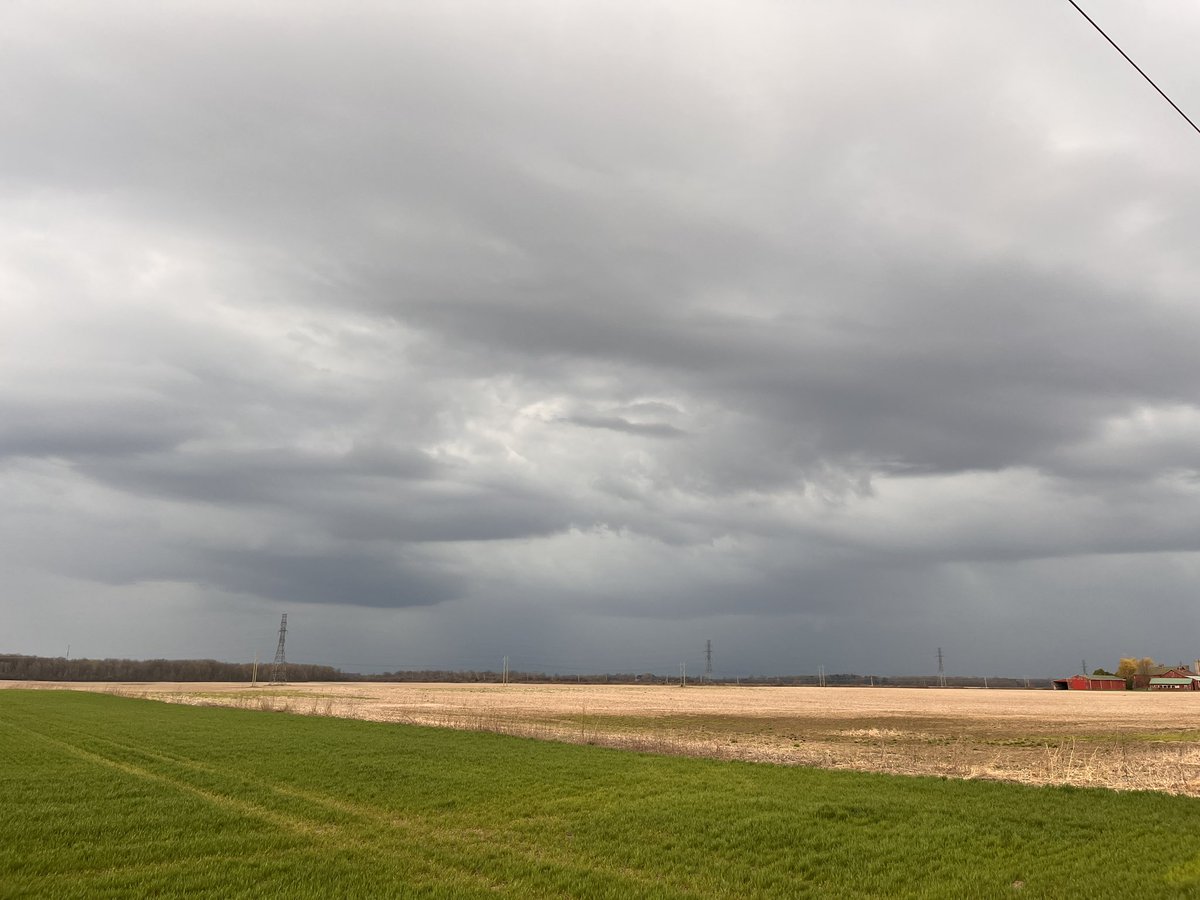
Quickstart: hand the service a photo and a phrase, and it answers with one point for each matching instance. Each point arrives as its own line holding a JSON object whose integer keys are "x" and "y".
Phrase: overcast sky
{"x": 586, "y": 332}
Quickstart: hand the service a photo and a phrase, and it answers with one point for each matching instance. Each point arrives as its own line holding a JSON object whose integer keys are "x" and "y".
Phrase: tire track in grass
{"x": 464, "y": 851}
{"x": 288, "y": 823}
{"x": 330, "y": 803}
{"x": 324, "y": 835}
{"x": 368, "y": 815}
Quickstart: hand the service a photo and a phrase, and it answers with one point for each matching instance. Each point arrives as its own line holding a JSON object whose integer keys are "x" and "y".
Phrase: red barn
{"x": 1090, "y": 683}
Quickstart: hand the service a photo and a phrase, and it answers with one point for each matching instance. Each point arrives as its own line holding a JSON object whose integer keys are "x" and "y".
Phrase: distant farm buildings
{"x": 1089, "y": 683}
{"x": 1150, "y": 677}
{"x": 1168, "y": 678}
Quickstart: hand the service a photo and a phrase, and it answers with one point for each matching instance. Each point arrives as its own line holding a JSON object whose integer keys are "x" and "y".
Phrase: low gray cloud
{"x": 618, "y": 423}
{"x": 352, "y": 579}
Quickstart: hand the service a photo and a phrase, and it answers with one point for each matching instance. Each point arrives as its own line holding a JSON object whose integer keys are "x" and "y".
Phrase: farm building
{"x": 1089, "y": 683}
{"x": 1146, "y": 680}
{"x": 1173, "y": 684}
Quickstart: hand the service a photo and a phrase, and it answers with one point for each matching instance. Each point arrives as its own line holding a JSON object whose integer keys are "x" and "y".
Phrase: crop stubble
{"x": 1119, "y": 740}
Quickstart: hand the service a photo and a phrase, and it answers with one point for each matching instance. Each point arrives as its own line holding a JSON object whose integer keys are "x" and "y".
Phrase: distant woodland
{"x": 48, "y": 668}
{"x": 16, "y": 667}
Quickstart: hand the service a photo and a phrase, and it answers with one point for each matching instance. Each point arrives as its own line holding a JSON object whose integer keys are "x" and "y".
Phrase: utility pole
{"x": 941, "y": 670}
{"x": 708, "y": 661}
{"x": 279, "y": 669}
{"x": 1083, "y": 667}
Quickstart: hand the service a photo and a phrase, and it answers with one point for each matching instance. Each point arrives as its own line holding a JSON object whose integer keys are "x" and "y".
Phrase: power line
{"x": 1136, "y": 66}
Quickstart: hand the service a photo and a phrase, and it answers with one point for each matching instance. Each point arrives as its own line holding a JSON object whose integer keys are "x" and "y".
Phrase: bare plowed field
{"x": 1118, "y": 740}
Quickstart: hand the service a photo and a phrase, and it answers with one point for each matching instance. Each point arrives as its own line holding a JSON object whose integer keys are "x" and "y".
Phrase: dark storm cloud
{"x": 517, "y": 319}
{"x": 264, "y": 476}
{"x": 71, "y": 427}
{"x": 371, "y": 494}
{"x": 352, "y": 579}
{"x": 617, "y": 423}
{"x": 984, "y": 367}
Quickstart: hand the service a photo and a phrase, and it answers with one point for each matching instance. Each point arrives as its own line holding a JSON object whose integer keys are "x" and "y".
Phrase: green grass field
{"x": 111, "y": 797}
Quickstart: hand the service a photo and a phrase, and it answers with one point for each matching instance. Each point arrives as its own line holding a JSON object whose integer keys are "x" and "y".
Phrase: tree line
{"x": 49, "y": 668}
{"x": 16, "y": 667}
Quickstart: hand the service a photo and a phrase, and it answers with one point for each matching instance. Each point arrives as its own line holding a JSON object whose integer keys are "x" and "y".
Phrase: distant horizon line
{"x": 840, "y": 677}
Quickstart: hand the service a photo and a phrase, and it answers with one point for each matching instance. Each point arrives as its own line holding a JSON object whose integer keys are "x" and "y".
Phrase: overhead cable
{"x": 1136, "y": 66}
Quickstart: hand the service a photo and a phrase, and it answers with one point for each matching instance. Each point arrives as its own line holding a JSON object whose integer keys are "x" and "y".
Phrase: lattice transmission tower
{"x": 941, "y": 670}
{"x": 279, "y": 669}
{"x": 708, "y": 661}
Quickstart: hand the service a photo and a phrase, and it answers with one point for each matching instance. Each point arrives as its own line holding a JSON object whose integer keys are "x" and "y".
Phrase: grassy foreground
{"x": 104, "y": 796}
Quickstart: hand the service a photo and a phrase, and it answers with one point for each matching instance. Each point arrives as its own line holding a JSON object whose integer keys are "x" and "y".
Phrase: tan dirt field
{"x": 1147, "y": 741}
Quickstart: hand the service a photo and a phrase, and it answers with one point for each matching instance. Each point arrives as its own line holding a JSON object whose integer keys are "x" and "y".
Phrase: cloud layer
{"x": 586, "y": 332}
